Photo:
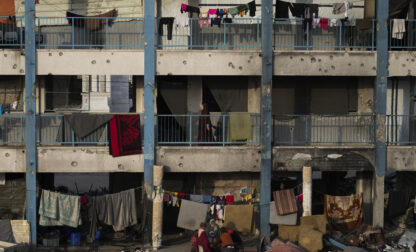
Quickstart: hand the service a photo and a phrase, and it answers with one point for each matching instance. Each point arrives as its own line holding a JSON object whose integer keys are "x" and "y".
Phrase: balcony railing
{"x": 305, "y": 130}
{"x": 187, "y": 130}
{"x": 11, "y": 32}
{"x": 12, "y": 129}
{"x": 401, "y": 129}
{"x": 402, "y": 35}
{"x": 90, "y": 33}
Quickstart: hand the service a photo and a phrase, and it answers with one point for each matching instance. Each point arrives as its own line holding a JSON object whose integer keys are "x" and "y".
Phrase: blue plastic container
{"x": 75, "y": 239}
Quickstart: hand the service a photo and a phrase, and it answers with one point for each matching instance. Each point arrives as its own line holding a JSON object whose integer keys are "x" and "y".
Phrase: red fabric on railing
{"x": 125, "y": 138}
{"x": 7, "y": 9}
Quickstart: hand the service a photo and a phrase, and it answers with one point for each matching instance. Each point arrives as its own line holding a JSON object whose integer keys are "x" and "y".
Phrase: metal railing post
{"x": 73, "y": 138}
{"x": 106, "y": 134}
{"x": 190, "y": 130}
{"x": 73, "y": 33}
{"x": 258, "y": 34}
{"x": 106, "y": 33}
{"x": 223, "y": 130}
{"x": 225, "y": 36}
{"x": 307, "y": 36}
{"x": 21, "y": 128}
{"x": 372, "y": 35}
{"x": 340, "y": 36}
{"x": 307, "y": 142}
{"x": 339, "y": 130}
{"x": 190, "y": 32}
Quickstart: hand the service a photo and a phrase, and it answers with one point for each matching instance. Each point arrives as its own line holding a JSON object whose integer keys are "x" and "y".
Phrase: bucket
{"x": 75, "y": 239}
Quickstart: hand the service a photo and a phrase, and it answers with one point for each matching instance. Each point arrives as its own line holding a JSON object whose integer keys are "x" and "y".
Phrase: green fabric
{"x": 239, "y": 127}
{"x": 57, "y": 209}
{"x": 233, "y": 11}
{"x": 242, "y": 7}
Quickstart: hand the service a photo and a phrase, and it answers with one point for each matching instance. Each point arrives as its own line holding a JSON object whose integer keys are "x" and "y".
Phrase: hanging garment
{"x": 252, "y": 8}
{"x": 196, "y": 198}
{"x": 242, "y": 8}
{"x": 220, "y": 212}
{"x": 344, "y": 212}
{"x": 190, "y": 9}
{"x": 324, "y": 23}
{"x": 221, "y": 13}
{"x": 297, "y": 10}
{"x": 316, "y": 22}
{"x": 229, "y": 199}
{"x": 282, "y": 9}
{"x": 184, "y": 7}
{"x": 399, "y": 28}
{"x": 333, "y": 22}
{"x": 125, "y": 137}
{"x": 338, "y": 8}
{"x": 227, "y": 21}
{"x": 57, "y": 209}
{"x": 216, "y": 21}
{"x": 84, "y": 124}
{"x": 311, "y": 10}
{"x": 191, "y": 214}
{"x": 166, "y": 197}
{"x": 206, "y": 199}
{"x": 182, "y": 21}
{"x": 203, "y": 21}
{"x": 285, "y": 201}
{"x": 233, "y": 11}
{"x": 117, "y": 210}
{"x": 169, "y": 22}
{"x": 239, "y": 127}
{"x": 92, "y": 23}
{"x": 212, "y": 12}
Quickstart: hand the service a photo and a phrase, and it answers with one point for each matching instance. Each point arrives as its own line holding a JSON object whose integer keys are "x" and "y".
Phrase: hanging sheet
{"x": 239, "y": 218}
{"x": 91, "y": 22}
{"x": 125, "y": 138}
{"x": 344, "y": 212}
{"x": 231, "y": 94}
{"x": 191, "y": 214}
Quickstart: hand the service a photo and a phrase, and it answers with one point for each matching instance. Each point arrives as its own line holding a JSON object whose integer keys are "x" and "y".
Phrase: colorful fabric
{"x": 57, "y": 209}
{"x": 125, "y": 137}
{"x": 285, "y": 202}
{"x": 344, "y": 212}
{"x": 229, "y": 199}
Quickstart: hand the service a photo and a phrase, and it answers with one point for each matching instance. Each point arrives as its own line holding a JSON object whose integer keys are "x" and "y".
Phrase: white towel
{"x": 399, "y": 28}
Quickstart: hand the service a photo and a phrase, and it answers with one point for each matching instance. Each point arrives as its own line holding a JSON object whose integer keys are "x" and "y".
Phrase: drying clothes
{"x": 285, "y": 201}
{"x": 297, "y": 10}
{"x": 6, "y": 232}
{"x": 311, "y": 10}
{"x": 252, "y": 8}
{"x": 229, "y": 199}
{"x": 196, "y": 198}
{"x": 182, "y": 21}
{"x": 399, "y": 28}
{"x": 333, "y": 22}
{"x": 220, "y": 212}
{"x": 242, "y": 8}
{"x": 324, "y": 23}
{"x": 184, "y": 7}
{"x": 274, "y": 218}
{"x": 206, "y": 198}
{"x": 316, "y": 22}
{"x": 239, "y": 218}
{"x": 233, "y": 11}
{"x": 282, "y": 9}
{"x": 203, "y": 21}
{"x": 221, "y": 13}
{"x": 84, "y": 124}
{"x": 239, "y": 127}
{"x": 344, "y": 212}
{"x": 125, "y": 137}
{"x": 175, "y": 201}
{"x": 216, "y": 21}
{"x": 227, "y": 20}
{"x": 169, "y": 22}
{"x": 212, "y": 12}
{"x": 91, "y": 22}
{"x": 190, "y": 9}
{"x": 166, "y": 197}
{"x": 338, "y": 8}
{"x": 57, "y": 209}
{"x": 191, "y": 214}
{"x": 117, "y": 210}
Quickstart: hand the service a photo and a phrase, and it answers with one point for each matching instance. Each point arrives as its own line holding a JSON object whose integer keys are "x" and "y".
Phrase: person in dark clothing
{"x": 224, "y": 241}
{"x": 204, "y": 125}
{"x": 202, "y": 240}
{"x": 194, "y": 243}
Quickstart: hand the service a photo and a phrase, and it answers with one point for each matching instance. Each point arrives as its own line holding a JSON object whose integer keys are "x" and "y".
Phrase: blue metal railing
{"x": 90, "y": 32}
{"x": 53, "y": 130}
{"x": 186, "y": 130}
{"x": 242, "y": 33}
{"x": 296, "y": 34}
{"x": 12, "y": 129}
{"x": 402, "y": 34}
{"x": 401, "y": 129}
{"x": 305, "y": 130}
{"x": 11, "y": 32}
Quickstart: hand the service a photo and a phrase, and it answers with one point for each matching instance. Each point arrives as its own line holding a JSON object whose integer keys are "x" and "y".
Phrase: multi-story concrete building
{"x": 336, "y": 98}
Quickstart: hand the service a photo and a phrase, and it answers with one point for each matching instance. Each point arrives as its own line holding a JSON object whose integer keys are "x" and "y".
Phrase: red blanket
{"x": 125, "y": 138}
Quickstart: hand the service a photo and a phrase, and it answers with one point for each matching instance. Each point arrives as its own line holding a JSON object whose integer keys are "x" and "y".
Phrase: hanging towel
{"x": 239, "y": 127}
{"x": 196, "y": 198}
{"x": 191, "y": 214}
{"x": 57, "y": 209}
{"x": 233, "y": 11}
{"x": 333, "y": 22}
{"x": 285, "y": 201}
{"x": 125, "y": 138}
{"x": 84, "y": 124}
{"x": 324, "y": 23}
{"x": 92, "y": 23}
{"x": 399, "y": 28}
{"x": 282, "y": 9}
{"x": 182, "y": 21}
{"x": 338, "y": 8}
{"x": 344, "y": 212}
{"x": 297, "y": 9}
{"x": 252, "y": 8}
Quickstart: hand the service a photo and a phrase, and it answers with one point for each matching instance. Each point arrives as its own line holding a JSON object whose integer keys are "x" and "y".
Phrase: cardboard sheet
{"x": 239, "y": 217}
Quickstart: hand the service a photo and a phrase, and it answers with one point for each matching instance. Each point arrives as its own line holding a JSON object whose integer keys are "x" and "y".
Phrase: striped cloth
{"x": 285, "y": 202}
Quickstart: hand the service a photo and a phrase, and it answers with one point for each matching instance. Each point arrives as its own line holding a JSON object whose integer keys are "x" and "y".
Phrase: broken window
{"x": 63, "y": 93}
{"x": 11, "y": 92}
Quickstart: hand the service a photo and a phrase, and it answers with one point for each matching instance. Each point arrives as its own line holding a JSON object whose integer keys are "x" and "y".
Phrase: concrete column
{"x": 139, "y": 94}
{"x": 254, "y": 95}
{"x": 157, "y": 216}
{"x": 364, "y": 185}
{"x": 365, "y": 95}
{"x": 194, "y": 94}
{"x": 307, "y": 191}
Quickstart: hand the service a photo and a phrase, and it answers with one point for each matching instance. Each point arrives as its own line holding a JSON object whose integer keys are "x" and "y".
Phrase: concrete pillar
{"x": 254, "y": 95}
{"x": 194, "y": 95}
{"x": 139, "y": 94}
{"x": 365, "y": 95}
{"x": 364, "y": 185}
{"x": 157, "y": 216}
{"x": 307, "y": 191}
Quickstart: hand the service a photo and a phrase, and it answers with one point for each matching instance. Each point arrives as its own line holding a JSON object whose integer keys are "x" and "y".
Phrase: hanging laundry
{"x": 333, "y": 22}
{"x": 92, "y": 23}
{"x": 203, "y": 21}
{"x": 282, "y": 9}
{"x": 181, "y": 21}
{"x": 84, "y": 124}
{"x": 311, "y": 10}
{"x": 344, "y": 212}
{"x": 206, "y": 199}
{"x": 252, "y": 8}
{"x": 212, "y": 12}
{"x": 221, "y": 13}
{"x": 229, "y": 199}
{"x": 285, "y": 201}
{"x": 220, "y": 211}
{"x": 239, "y": 218}
{"x": 196, "y": 198}
{"x": 175, "y": 201}
{"x": 399, "y": 28}
{"x": 338, "y": 8}
{"x": 117, "y": 210}
{"x": 324, "y": 23}
{"x": 239, "y": 127}
{"x": 169, "y": 22}
{"x": 227, "y": 21}
{"x": 57, "y": 209}
{"x": 290, "y": 219}
{"x": 216, "y": 21}
{"x": 190, "y": 9}
{"x": 316, "y": 22}
{"x": 166, "y": 197}
{"x": 297, "y": 10}
{"x": 242, "y": 8}
{"x": 191, "y": 214}
{"x": 233, "y": 11}
{"x": 125, "y": 137}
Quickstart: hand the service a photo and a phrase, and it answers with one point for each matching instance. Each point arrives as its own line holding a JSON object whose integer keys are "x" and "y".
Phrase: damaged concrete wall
{"x": 13, "y": 197}
{"x": 365, "y": 95}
